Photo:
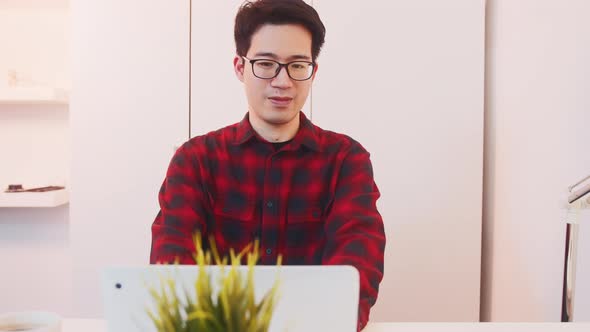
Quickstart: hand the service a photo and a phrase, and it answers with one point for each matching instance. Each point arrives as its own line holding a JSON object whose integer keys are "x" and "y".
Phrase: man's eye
{"x": 265, "y": 64}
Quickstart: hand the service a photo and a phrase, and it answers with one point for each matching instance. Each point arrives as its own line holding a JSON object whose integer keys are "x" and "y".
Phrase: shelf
{"x": 33, "y": 95}
{"x": 34, "y": 199}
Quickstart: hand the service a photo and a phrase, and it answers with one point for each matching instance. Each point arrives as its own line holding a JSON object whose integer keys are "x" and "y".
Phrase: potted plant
{"x": 231, "y": 309}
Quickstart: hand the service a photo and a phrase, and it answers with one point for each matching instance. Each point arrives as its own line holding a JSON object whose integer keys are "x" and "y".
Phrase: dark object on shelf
{"x": 43, "y": 189}
{"x": 14, "y": 188}
{"x": 17, "y": 188}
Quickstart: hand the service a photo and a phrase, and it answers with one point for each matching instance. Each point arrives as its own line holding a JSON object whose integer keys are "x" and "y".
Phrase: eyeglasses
{"x": 267, "y": 69}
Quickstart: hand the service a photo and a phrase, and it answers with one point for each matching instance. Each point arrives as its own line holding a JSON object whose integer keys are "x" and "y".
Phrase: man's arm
{"x": 182, "y": 211}
{"x": 354, "y": 228}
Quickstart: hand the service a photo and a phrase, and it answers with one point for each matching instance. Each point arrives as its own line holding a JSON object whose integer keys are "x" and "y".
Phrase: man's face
{"x": 275, "y": 102}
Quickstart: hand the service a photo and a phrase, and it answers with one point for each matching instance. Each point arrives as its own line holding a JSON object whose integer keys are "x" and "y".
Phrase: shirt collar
{"x": 244, "y": 131}
{"x": 306, "y": 135}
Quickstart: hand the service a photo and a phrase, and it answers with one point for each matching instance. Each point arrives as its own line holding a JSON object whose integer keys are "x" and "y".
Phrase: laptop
{"x": 311, "y": 298}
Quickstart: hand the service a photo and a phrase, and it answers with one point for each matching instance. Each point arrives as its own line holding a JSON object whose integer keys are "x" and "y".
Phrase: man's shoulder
{"x": 336, "y": 141}
{"x": 213, "y": 139}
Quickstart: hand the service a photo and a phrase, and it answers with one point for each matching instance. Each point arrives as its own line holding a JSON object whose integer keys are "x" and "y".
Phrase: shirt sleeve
{"x": 354, "y": 228}
{"x": 182, "y": 211}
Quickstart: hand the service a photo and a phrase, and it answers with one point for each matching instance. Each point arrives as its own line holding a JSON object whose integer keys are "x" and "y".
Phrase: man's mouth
{"x": 280, "y": 101}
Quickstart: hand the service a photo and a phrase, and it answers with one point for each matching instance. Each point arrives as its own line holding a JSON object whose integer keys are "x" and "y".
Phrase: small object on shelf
{"x": 44, "y": 189}
{"x": 14, "y": 188}
{"x": 12, "y": 78}
{"x": 18, "y": 188}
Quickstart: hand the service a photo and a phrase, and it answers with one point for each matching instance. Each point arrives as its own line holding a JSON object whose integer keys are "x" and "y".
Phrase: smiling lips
{"x": 280, "y": 101}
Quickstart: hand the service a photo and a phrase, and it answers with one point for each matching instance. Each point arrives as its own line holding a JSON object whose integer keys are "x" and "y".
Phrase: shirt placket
{"x": 270, "y": 211}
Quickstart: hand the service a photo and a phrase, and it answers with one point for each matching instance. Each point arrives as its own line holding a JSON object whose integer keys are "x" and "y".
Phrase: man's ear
{"x": 315, "y": 71}
{"x": 239, "y": 67}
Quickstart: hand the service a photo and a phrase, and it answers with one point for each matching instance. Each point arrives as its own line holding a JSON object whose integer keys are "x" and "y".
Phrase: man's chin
{"x": 280, "y": 117}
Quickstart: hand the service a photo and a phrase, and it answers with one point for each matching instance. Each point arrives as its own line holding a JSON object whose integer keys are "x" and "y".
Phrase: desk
{"x": 477, "y": 327}
{"x": 97, "y": 325}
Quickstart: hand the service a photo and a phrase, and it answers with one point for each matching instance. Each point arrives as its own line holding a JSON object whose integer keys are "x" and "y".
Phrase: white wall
{"x": 34, "y": 139}
{"x": 537, "y": 134}
{"x": 34, "y": 242}
{"x": 35, "y": 255}
{"x": 34, "y": 151}
{"x": 35, "y": 41}
{"x": 35, "y": 145}
{"x": 129, "y": 108}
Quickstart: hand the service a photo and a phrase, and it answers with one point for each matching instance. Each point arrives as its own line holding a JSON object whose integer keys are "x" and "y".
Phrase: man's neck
{"x": 275, "y": 133}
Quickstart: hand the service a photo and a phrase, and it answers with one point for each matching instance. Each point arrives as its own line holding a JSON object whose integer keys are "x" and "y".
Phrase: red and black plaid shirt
{"x": 313, "y": 201}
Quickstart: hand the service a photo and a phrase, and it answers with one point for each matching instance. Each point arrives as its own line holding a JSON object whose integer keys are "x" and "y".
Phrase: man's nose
{"x": 282, "y": 80}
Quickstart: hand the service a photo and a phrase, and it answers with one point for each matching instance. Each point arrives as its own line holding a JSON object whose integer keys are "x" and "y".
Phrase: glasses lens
{"x": 265, "y": 69}
{"x": 300, "y": 70}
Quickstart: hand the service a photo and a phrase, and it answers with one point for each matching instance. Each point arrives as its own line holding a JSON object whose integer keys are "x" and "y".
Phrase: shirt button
{"x": 268, "y": 251}
{"x": 269, "y": 204}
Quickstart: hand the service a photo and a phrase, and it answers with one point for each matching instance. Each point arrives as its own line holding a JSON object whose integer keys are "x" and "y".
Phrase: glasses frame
{"x": 281, "y": 65}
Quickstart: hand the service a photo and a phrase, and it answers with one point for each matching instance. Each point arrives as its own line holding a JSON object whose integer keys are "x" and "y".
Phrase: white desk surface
{"x": 98, "y": 325}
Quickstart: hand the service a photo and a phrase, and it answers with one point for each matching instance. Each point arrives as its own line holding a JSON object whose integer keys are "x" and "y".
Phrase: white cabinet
{"x": 406, "y": 79}
{"x": 130, "y": 107}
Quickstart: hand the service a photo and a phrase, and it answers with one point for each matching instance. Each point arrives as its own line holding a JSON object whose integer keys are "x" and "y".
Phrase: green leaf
{"x": 233, "y": 309}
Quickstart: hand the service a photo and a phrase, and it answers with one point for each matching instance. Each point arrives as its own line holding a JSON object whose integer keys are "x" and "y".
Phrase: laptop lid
{"x": 311, "y": 298}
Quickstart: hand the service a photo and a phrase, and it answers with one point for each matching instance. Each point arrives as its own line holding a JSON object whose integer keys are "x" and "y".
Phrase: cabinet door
{"x": 406, "y": 79}
{"x": 217, "y": 96}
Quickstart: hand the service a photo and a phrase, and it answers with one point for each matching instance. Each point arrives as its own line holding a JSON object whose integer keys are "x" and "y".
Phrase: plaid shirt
{"x": 313, "y": 201}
